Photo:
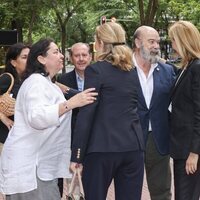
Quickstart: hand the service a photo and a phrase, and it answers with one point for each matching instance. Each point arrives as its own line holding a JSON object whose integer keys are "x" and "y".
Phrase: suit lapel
{"x": 178, "y": 81}
{"x": 156, "y": 82}
{"x": 140, "y": 93}
{"x": 74, "y": 81}
{"x": 180, "y": 78}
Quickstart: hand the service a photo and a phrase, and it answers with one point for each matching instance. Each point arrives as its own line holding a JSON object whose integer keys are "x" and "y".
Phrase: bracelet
{"x": 67, "y": 106}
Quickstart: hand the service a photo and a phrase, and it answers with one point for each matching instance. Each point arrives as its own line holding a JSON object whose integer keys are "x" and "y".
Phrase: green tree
{"x": 147, "y": 10}
{"x": 64, "y": 11}
{"x": 70, "y": 21}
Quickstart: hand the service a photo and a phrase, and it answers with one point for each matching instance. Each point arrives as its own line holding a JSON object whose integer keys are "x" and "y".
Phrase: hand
{"x": 191, "y": 163}
{"x": 81, "y": 99}
{"x": 11, "y": 109}
{"x": 74, "y": 166}
{"x": 86, "y": 97}
{"x": 8, "y": 122}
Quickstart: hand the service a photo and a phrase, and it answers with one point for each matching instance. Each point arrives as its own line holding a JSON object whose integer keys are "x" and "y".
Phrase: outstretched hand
{"x": 86, "y": 97}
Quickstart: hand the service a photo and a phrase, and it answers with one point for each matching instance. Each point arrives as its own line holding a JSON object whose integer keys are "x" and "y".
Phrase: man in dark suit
{"x": 80, "y": 57}
{"x": 155, "y": 80}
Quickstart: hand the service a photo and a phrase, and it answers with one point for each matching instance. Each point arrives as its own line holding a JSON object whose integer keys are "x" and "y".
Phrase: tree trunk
{"x": 141, "y": 11}
{"x": 147, "y": 18}
{"x": 151, "y": 12}
{"x": 16, "y": 25}
{"x": 63, "y": 44}
{"x": 33, "y": 15}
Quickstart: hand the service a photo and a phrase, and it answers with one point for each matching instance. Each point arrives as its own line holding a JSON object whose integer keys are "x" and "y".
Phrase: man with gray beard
{"x": 155, "y": 80}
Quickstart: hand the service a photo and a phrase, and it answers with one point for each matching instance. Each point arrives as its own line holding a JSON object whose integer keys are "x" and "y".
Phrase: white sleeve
{"x": 41, "y": 106}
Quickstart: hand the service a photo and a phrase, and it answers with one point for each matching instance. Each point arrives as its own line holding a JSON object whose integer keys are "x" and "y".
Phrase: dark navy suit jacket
{"x": 69, "y": 79}
{"x": 111, "y": 124}
{"x": 185, "y": 116}
{"x": 158, "y": 114}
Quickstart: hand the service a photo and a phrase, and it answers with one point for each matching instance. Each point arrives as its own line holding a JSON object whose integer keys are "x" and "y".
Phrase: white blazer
{"x": 38, "y": 145}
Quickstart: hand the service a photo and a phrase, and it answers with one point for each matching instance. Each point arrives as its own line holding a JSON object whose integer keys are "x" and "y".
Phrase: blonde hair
{"x": 115, "y": 50}
{"x": 187, "y": 38}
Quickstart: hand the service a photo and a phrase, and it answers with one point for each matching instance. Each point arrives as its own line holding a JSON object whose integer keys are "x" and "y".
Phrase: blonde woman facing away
{"x": 108, "y": 139}
{"x": 185, "y": 116}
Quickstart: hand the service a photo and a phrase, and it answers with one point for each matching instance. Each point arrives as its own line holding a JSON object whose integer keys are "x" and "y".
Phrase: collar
{"x": 78, "y": 77}
{"x": 153, "y": 66}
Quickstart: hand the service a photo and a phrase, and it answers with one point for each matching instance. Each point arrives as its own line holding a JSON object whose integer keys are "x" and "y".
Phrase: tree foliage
{"x": 70, "y": 21}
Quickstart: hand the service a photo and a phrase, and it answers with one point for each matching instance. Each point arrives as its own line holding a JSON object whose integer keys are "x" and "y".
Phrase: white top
{"x": 146, "y": 83}
{"x": 39, "y": 142}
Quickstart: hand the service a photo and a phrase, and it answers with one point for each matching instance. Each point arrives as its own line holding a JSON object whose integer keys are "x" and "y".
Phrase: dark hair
{"x": 13, "y": 52}
{"x": 33, "y": 65}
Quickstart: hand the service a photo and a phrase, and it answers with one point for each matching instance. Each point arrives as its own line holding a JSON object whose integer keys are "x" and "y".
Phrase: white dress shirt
{"x": 146, "y": 83}
{"x": 38, "y": 144}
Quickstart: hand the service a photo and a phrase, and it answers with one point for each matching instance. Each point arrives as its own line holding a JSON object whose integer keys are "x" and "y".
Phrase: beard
{"x": 153, "y": 56}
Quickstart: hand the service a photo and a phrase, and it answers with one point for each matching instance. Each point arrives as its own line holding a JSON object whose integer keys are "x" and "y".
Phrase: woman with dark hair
{"x": 37, "y": 150}
{"x": 15, "y": 64}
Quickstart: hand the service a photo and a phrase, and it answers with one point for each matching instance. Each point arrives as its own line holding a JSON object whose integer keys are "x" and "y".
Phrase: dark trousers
{"x": 187, "y": 187}
{"x": 158, "y": 172}
{"x": 126, "y": 168}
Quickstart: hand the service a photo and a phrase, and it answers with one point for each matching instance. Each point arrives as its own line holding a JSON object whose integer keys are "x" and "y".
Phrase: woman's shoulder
{"x": 34, "y": 83}
{"x": 195, "y": 62}
{"x": 194, "y": 65}
{"x": 5, "y": 81}
{"x": 36, "y": 78}
{"x": 99, "y": 65}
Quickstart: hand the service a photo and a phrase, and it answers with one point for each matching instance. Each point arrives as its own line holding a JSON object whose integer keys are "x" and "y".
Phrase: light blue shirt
{"x": 80, "y": 82}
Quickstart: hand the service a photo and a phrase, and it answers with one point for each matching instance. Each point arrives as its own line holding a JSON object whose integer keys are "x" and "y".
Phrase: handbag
{"x": 71, "y": 195}
{"x": 7, "y": 102}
